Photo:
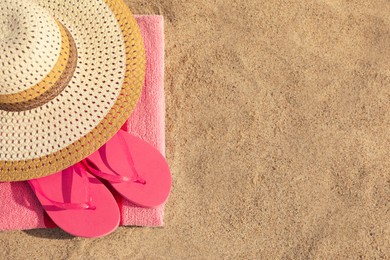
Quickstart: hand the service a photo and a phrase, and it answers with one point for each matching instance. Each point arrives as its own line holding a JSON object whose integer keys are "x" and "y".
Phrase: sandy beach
{"x": 277, "y": 128}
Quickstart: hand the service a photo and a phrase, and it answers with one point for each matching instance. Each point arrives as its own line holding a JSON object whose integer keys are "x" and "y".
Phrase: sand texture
{"x": 278, "y": 122}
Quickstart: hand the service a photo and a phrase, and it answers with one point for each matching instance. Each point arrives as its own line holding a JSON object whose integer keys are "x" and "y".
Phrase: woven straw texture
{"x": 80, "y": 106}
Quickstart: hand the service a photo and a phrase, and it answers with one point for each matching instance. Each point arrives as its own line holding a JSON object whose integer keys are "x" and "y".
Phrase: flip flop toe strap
{"x": 136, "y": 177}
{"x": 118, "y": 178}
{"x": 103, "y": 175}
{"x": 110, "y": 177}
{"x": 67, "y": 205}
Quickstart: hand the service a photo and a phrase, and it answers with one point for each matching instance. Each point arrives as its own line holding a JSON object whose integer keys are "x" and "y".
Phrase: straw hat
{"x": 71, "y": 73}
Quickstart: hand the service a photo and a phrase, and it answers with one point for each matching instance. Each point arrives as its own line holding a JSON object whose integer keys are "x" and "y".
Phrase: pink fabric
{"x": 19, "y": 208}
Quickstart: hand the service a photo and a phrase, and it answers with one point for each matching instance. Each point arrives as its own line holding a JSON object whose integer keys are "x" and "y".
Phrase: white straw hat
{"x": 71, "y": 73}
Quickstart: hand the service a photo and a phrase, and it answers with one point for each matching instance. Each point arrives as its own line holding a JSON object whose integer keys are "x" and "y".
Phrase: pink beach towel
{"x": 20, "y": 210}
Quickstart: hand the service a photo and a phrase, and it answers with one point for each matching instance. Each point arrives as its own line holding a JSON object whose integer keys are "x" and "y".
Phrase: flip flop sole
{"x": 148, "y": 162}
{"x": 69, "y": 187}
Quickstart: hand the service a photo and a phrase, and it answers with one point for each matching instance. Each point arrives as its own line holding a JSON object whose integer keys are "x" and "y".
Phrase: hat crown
{"x": 8, "y": 24}
{"x": 30, "y": 43}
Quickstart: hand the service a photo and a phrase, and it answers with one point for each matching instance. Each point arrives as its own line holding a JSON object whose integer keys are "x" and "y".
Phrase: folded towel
{"x": 19, "y": 208}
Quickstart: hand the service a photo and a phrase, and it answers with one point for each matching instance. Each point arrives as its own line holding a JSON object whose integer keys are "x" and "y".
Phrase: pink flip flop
{"x": 77, "y": 202}
{"x": 134, "y": 168}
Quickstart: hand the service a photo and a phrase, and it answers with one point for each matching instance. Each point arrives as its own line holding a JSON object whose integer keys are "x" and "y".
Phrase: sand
{"x": 278, "y": 121}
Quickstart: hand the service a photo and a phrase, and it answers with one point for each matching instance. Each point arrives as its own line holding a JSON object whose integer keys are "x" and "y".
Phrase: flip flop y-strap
{"x": 116, "y": 178}
{"x": 68, "y": 205}
{"x": 136, "y": 177}
{"x": 109, "y": 177}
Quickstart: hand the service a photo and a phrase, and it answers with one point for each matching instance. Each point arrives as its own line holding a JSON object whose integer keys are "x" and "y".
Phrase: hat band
{"x": 52, "y": 85}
